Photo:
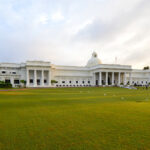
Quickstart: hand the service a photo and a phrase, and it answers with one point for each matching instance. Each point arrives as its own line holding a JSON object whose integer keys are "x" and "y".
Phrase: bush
{"x": 23, "y": 82}
{"x": 146, "y": 68}
{"x": 5, "y": 85}
{"x": 54, "y": 81}
{"x": 2, "y": 82}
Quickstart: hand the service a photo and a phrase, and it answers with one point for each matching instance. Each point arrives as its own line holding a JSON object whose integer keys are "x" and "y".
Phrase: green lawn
{"x": 75, "y": 119}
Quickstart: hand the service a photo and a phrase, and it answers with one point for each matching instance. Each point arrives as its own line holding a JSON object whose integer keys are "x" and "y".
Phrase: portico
{"x": 38, "y": 74}
{"x": 38, "y": 78}
{"x": 108, "y": 78}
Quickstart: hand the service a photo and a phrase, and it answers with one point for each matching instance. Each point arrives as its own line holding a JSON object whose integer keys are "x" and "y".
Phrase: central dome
{"x": 94, "y": 61}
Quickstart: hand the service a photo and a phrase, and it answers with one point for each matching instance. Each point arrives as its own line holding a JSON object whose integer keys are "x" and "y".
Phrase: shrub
{"x": 5, "y": 85}
{"x": 23, "y": 82}
{"x": 2, "y": 82}
{"x": 146, "y": 68}
{"x": 54, "y": 81}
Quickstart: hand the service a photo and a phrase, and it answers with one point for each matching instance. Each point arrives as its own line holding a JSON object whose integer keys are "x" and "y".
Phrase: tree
{"x": 54, "y": 81}
{"x": 23, "y": 82}
{"x": 146, "y": 68}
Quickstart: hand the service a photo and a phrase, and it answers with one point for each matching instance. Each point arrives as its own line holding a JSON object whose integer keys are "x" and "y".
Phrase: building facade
{"x": 40, "y": 74}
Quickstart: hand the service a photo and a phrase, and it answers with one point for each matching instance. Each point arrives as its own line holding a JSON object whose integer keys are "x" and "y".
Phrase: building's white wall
{"x": 71, "y": 76}
{"x": 141, "y": 77}
{"x": 70, "y": 73}
{"x": 12, "y": 72}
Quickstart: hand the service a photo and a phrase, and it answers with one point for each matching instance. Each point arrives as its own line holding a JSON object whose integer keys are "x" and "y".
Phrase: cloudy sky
{"x": 66, "y": 32}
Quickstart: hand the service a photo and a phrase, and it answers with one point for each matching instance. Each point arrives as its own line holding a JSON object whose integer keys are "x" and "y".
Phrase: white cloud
{"x": 52, "y": 30}
{"x": 57, "y": 16}
{"x": 43, "y": 19}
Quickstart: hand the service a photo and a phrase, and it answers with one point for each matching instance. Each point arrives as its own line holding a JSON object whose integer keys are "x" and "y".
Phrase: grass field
{"x": 75, "y": 119}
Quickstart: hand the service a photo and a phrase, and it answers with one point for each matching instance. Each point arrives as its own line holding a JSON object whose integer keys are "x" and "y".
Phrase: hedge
{"x": 5, "y": 85}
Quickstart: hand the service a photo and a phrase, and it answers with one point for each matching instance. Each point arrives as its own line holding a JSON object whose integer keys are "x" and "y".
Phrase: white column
{"x": 12, "y": 81}
{"x": 49, "y": 78}
{"x": 42, "y": 77}
{"x": 93, "y": 79}
{"x": 106, "y": 78}
{"x": 27, "y": 78}
{"x": 112, "y": 78}
{"x": 118, "y": 78}
{"x": 125, "y": 79}
{"x": 100, "y": 78}
{"x": 35, "y": 78}
{"x": 130, "y": 76}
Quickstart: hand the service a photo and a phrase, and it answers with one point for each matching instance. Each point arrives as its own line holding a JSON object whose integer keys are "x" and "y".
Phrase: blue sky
{"x": 66, "y": 32}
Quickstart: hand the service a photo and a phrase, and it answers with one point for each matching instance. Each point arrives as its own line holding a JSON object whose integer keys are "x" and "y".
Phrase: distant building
{"x": 40, "y": 74}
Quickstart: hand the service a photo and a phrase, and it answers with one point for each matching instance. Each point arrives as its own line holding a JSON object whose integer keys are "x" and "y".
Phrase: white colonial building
{"x": 40, "y": 74}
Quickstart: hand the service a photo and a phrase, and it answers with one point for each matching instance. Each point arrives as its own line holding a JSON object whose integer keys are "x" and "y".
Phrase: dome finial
{"x": 94, "y": 54}
{"x": 94, "y": 61}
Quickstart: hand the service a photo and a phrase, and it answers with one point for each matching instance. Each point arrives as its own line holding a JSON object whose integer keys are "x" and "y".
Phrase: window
{"x": 63, "y": 81}
{"x": 83, "y": 82}
{"x": 76, "y": 81}
{"x": 13, "y": 72}
{"x": 69, "y": 81}
{"x": 16, "y": 81}
{"x": 31, "y": 80}
{"x": 3, "y": 72}
{"x": 7, "y": 81}
{"x": 45, "y": 81}
{"x": 89, "y": 82}
{"x": 38, "y": 81}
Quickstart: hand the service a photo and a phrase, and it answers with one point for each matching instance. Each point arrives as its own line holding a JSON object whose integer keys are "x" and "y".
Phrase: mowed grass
{"x": 75, "y": 119}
